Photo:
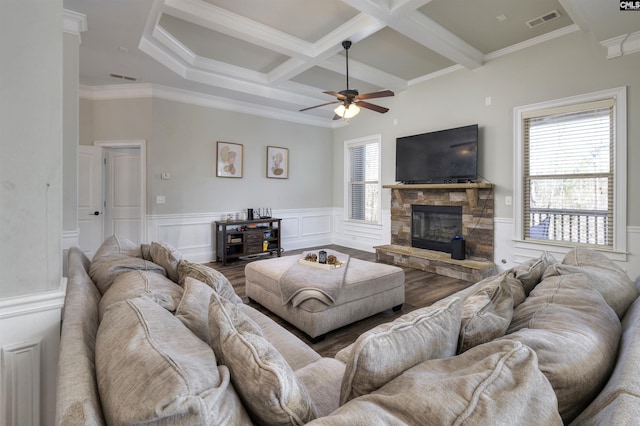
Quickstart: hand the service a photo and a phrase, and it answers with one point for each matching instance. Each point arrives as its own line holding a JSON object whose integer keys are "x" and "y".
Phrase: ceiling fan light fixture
{"x": 347, "y": 112}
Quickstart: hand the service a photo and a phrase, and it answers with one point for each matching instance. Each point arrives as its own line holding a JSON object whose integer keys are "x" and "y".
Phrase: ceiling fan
{"x": 350, "y": 100}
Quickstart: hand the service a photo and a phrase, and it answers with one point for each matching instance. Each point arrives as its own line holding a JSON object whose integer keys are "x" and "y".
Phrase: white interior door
{"x": 123, "y": 183}
{"x": 90, "y": 199}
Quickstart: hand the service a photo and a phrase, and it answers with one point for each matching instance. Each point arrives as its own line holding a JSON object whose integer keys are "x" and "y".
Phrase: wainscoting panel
{"x": 21, "y": 382}
{"x": 194, "y": 234}
{"x": 508, "y": 252}
{"x": 361, "y": 236}
{"x": 29, "y": 341}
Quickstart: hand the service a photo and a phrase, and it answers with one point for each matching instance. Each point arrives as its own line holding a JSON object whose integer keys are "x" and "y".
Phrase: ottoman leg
{"x": 317, "y": 339}
{"x": 397, "y": 308}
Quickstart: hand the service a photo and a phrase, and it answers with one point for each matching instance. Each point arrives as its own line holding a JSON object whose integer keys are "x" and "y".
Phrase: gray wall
{"x": 571, "y": 65}
{"x": 181, "y": 140}
{"x": 31, "y": 146}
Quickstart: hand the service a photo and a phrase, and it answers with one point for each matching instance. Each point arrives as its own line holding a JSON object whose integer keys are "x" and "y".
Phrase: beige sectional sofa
{"x": 148, "y": 337}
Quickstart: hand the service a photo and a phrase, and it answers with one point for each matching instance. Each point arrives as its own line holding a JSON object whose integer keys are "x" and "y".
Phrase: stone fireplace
{"x": 424, "y": 219}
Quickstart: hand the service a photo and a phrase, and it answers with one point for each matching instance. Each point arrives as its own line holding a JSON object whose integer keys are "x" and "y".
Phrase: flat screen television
{"x": 444, "y": 156}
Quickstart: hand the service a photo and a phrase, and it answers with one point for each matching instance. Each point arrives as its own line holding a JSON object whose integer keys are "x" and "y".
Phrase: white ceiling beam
{"x": 356, "y": 29}
{"x": 423, "y": 30}
{"x": 404, "y": 6}
{"x": 221, "y": 20}
{"x": 366, "y": 73}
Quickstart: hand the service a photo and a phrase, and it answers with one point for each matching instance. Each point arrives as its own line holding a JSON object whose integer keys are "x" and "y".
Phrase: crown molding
{"x": 532, "y": 42}
{"x": 74, "y": 23}
{"x": 625, "y": 44}
{"x": 137, "y": 91}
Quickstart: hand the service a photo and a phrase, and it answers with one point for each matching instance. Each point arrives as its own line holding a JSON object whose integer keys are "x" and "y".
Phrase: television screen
{"x": 445, "y": 156}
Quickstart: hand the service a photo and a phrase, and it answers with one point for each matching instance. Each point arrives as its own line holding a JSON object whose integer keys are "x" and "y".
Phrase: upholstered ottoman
{"x": 367, "y": 289}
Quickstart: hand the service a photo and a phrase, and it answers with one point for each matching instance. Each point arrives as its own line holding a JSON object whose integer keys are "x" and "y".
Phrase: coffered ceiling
{"x": 275, "y": 57}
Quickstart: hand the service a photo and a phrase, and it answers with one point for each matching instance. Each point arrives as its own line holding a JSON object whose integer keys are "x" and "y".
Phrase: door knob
{"x": 96, "y": 213}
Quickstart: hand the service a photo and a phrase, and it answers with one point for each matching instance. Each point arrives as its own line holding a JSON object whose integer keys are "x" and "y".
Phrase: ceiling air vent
{"x": 543, "y": 19}
{"x": 123, "y": 77}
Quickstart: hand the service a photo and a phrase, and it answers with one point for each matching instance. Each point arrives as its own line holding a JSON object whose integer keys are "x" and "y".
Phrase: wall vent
{"x": 123, "y": 77}
{"x": 554, "y": 14}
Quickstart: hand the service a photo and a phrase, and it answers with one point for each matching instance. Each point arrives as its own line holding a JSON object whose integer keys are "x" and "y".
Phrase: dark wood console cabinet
{"x": 237, "y": 238}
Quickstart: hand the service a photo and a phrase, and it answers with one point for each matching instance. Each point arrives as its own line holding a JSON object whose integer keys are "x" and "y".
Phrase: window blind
{"x": 569, "y": 173}
{"x": 364, "y": 182}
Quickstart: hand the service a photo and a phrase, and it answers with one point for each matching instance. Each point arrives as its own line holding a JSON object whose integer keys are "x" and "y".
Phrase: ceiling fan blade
{"x": 336, "y": 94}
{"x": 336, "y": 117}
{"x": 381, "y": 94}
{"x": 372, "y": 107}
{"x": 317, "y": 106}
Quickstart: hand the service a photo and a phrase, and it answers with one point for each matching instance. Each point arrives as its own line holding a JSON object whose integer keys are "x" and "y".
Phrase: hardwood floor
{"x": 421, "y": 289}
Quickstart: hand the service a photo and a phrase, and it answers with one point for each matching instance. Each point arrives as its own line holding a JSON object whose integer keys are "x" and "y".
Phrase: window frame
{"x": 619, "y": 249}
{"x": 377, "y": 139}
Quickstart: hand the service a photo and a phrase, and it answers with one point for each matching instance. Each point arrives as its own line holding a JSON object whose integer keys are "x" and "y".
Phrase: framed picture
{"x": 277, "y": 162}
{"x": 229, "y": 159}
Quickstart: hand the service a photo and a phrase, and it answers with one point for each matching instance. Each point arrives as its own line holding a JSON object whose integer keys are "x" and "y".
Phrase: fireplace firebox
{"x": 433, "y": 227}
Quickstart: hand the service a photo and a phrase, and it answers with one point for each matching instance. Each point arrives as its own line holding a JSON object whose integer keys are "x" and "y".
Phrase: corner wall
{"x": 31, "y": 188}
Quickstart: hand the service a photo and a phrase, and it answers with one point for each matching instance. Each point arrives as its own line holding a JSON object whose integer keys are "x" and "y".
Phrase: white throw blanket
{"x": 301, "y": 282}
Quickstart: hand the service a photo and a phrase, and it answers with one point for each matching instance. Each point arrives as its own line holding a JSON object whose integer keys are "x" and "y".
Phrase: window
{"x": 362, "y": 177}
{"x": 571, "y": 190}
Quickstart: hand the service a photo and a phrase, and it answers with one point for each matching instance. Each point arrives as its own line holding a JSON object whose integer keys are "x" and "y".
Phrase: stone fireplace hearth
{"x": 476, "y": 204}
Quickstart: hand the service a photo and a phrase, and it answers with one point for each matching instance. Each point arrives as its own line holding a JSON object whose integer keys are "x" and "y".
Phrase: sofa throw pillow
{"x": 384, "y": 352}
{"x": 116, "y": 256}
{"x": 215, "y": 279}
{"x": 487, "y": 312}
{"x": 145, "y": 251}
{"x": 497, "y": 383}
{"x": 193, "y": 309}
{"x": 167, "y": 256}
{"x": 606, "y": 276}
{"x": 575, "y": 334}
{"x": 268, "y": 387}
{"x": 529, "y": 273}
{"x": 132, "y": 284}
{"x": 152, "y": 370}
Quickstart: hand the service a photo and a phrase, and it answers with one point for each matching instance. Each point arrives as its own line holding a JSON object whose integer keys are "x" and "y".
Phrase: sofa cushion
{"x": 619, "y": 402}
{"x": 215, "y": 279}
{"x": 487, "y": 312}
{"x": 530, "y": 272}
{"x": 384, "y": 352}
{"x": 167, "y": 256}
{"x": 605, "y": 276}
{"x": 322, "y": 379}
{"x": 575, "y": 334}
{"x": 152, "y": 369}
{"x": 267, "y": 385}
{"x": 497, "y": 383}
{"x": 193, "y": 309}
{"x": 116, "y": 256}
{"x": 295, "y": 351}
{"x": 132, "y": 284}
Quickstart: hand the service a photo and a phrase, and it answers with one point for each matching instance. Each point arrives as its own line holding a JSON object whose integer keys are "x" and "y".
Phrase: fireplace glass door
{"x": 433, "y": 227}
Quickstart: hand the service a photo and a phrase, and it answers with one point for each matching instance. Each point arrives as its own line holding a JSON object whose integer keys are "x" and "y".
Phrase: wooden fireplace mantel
{"x": 471, "y": 188}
